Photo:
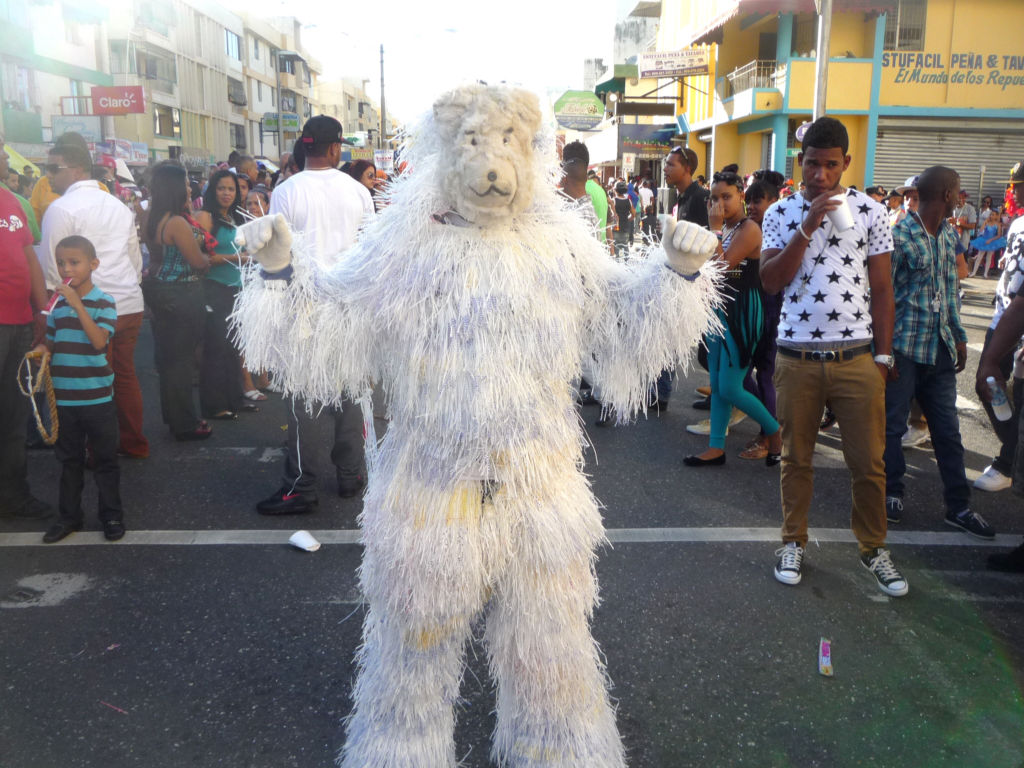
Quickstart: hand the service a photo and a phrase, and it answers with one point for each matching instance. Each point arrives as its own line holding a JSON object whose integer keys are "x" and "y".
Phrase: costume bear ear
{"x": 450, "y": 108}
{"x": 525, "y": 106}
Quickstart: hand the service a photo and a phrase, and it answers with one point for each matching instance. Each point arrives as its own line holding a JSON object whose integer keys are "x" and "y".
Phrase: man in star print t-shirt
{"x": 835, "y": 344}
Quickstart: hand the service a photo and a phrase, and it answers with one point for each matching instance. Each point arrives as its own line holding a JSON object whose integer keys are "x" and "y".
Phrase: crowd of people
{"x": 834, "y": 301}
{"x": 86, "y": 258}
{"x": 837, "y": 307}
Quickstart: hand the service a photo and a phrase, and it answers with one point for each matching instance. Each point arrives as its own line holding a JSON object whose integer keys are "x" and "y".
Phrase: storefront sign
{"x": 132, "y": 152}
{"x": 579, "y": 110}
{"x": 645, "y": 142}
{"x": 987, "y": 69}
{"x": 689, "y": 62}
{"x": 289, "y": 122}
{"x": 628, "y": 162}
{"x": 118, "y": 100}
{"x": 384, "y": 159}
{"x": 86, "y": 126}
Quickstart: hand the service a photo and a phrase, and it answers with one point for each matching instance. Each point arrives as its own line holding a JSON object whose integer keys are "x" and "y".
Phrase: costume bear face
{"x": 487, "y": 138}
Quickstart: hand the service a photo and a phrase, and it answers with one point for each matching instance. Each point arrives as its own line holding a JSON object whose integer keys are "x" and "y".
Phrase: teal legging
{"x": 727, "y": 390}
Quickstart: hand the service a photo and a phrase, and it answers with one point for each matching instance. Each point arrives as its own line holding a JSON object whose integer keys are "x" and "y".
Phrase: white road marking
{"x": 44, "y": 590}
{"x": 271, "y": 455}
{"x": 966, "y": 404}
{"x": 615, "y": 535}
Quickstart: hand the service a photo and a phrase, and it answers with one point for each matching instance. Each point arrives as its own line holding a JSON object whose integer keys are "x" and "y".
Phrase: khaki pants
{"x": 857, "y": 394}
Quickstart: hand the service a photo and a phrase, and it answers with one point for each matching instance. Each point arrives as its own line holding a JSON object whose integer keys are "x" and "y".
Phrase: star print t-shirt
{"x": 829, "y": 299}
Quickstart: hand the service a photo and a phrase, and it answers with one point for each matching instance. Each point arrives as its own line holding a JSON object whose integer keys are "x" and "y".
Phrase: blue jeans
{"x": 934, "y": 386}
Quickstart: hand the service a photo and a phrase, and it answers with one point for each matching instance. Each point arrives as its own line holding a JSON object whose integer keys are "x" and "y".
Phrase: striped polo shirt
{"x": 80, "y": 372}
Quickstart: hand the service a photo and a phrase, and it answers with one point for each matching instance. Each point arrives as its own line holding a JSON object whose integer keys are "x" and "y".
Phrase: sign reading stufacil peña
{"x": 688, "y": 62}
{"x": 991, "y": 69}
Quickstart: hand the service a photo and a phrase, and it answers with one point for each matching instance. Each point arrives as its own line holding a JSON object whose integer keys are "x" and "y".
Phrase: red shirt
{"x": 15, "y": 280}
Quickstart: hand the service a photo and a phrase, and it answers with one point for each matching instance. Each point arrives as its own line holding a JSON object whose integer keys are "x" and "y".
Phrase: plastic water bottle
{"x": 1000, "y": 407}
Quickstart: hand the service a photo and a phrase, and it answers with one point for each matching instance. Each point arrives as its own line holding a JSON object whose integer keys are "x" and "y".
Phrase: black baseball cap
{"x": 321, "y": 130}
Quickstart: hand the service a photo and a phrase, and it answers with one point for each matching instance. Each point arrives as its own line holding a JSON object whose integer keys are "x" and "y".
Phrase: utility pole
{"x": 383, "y": 110}
{"x": 824, "y": 8}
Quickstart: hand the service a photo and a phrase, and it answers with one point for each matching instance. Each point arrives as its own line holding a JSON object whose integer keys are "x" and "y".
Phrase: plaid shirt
{"x": 923, "y": 269}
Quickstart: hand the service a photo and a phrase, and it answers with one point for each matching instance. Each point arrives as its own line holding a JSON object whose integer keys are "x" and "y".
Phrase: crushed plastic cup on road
{"x": 304, "y": 540}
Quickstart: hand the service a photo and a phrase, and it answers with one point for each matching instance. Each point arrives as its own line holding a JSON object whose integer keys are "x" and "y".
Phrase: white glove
{"x": 687, "y": 245}
{"x": 268, "y": 240}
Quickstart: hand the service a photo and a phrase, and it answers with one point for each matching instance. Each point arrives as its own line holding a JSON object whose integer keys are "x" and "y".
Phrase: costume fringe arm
{"x": 643, "y": 320}
{"x": 306, "y": 331}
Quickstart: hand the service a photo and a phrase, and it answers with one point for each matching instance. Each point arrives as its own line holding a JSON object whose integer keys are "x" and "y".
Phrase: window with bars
{"x": 237, "y": 136}
{"x": 236, "y": 92}
{"x": 904, "y": 26}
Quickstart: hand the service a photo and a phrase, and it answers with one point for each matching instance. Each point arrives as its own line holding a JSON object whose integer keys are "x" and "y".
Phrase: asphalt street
{"x": 204, "y": 639}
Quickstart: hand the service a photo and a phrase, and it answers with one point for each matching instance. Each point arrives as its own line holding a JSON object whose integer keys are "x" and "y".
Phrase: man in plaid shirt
{"x": 930, "y": 347}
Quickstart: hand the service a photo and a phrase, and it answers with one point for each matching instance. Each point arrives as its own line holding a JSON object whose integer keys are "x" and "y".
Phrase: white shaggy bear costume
{"x": 469, "y": 301}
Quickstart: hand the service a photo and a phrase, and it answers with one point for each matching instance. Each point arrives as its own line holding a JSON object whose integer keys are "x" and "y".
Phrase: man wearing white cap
{"x": 909, "y": 192}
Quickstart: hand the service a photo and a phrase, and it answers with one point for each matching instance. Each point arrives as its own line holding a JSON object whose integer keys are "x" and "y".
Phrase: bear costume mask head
{"x": 488, "y": 138}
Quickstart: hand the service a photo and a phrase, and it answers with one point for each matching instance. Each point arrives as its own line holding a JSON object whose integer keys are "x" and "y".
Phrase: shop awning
{"x": 617, "y": 82}
{"x": 18, "y": 162}
{"x": 731, "y": 9}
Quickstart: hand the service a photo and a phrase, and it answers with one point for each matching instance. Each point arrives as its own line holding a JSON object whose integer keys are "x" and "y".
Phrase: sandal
{"x": 249, "y": 408}
{"x": 255, "y": 395}
{"x": 225, "y": 416}
{"x": 756, "y": 449}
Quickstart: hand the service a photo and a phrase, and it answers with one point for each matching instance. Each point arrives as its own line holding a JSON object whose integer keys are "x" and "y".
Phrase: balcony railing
{"x": 754, "y": 74}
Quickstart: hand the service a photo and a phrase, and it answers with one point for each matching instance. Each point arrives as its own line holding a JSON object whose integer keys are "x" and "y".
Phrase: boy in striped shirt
{"x": 77, "y": 332}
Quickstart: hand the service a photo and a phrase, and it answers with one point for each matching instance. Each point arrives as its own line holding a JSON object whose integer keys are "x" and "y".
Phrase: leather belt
{"x": 825, "y": 355}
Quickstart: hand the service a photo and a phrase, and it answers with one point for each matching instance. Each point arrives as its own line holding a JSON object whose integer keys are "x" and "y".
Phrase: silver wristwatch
{"x": 887, "y": 360}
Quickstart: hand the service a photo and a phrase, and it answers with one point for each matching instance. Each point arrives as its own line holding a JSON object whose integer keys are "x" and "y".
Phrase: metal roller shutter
{"x": 903, "y": 150}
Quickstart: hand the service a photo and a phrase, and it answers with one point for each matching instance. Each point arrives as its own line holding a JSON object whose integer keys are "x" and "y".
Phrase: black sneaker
{"x": 972, "y": 523}
{"x": 60, "y": 530}
{"x": 284, "y": 501}
{"x": 889, "y": 580}
{"x": 350, "y": 486}
{"x": 703, "y": 405}
{"x": 113, "y": 530}
{"x": 791, "y": 558}
{"x": 893, "y": 509}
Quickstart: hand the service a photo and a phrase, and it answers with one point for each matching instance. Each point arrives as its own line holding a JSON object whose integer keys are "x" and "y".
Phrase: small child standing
{"x": 77, "y": 332}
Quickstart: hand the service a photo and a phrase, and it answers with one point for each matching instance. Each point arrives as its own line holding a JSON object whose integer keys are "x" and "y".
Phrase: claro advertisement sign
{"x": 118, "y": 100}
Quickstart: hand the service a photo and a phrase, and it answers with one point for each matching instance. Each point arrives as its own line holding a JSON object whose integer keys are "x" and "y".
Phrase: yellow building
{"x": 916, "y": 82}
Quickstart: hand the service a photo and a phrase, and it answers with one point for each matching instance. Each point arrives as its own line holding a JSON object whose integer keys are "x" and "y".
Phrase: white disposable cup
{"x": 841, "y": 217}
{"x": 304, "y": 540}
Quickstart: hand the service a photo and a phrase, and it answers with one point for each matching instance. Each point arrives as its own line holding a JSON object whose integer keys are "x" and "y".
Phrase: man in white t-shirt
{"x": 328, "y": 207}
{"x": 835, "y": 344}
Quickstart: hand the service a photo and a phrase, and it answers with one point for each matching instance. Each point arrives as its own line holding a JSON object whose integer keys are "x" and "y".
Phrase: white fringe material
{"x": 476, "y": 492}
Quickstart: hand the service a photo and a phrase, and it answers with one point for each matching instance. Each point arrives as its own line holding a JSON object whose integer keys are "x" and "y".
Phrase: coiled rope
{"x": 35, "y": 383}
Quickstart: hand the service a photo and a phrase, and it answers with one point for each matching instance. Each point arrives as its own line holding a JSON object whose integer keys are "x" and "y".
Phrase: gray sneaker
{"x": 972, "y": 523}
{"x": 791, "y": 558}
{"x": 889, "y": 580}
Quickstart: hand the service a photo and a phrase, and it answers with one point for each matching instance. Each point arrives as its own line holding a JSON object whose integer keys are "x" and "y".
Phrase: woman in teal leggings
{"x": 742, "y": 318}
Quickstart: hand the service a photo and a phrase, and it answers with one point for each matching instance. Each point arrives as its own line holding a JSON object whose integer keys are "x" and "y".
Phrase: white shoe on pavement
{"x": 704, "y": 427}
{"x": 992, "y": 480}
{"x": 915, "y": 436}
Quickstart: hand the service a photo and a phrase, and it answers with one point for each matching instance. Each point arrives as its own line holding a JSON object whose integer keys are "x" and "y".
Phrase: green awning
{"x": 615, "y": 85}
